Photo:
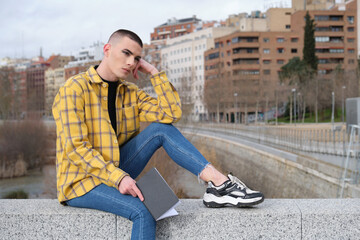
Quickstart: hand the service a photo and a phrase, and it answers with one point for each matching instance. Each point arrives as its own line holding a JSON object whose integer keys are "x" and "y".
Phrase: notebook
{"x": 159, "y": 198}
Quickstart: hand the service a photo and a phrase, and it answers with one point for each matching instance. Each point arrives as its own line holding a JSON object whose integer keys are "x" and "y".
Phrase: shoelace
{"x": 238, "y": 182}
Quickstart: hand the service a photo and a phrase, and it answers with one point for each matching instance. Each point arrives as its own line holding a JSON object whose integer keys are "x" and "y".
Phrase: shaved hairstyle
{"x": 117, "y": 35}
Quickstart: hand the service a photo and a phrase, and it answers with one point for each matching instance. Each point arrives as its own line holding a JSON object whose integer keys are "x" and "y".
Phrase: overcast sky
{"x": 63, "y": 26}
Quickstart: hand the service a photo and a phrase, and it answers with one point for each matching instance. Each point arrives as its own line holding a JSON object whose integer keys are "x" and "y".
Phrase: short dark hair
{"x": 126, "y": 33}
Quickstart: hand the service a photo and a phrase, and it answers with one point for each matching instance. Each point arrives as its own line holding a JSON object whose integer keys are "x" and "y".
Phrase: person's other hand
{"x": 127, "y": 186}
{"x": 145, "y": 67}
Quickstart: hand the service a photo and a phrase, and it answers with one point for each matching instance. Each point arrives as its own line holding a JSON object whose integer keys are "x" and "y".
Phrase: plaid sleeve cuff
{"x": 159, "y": 78}
{"x": 116, "y": 177}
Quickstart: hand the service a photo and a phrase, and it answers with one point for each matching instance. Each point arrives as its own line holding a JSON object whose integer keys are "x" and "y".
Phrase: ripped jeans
{"x": 134, "y": 155}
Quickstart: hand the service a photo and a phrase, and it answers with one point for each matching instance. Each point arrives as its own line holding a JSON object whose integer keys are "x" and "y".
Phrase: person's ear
{"x": 106, "y": 49}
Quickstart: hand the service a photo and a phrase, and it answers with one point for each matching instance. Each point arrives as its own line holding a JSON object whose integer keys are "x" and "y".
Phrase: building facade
{"x": 182, "y": 58}
{"x": 242, "y": 71}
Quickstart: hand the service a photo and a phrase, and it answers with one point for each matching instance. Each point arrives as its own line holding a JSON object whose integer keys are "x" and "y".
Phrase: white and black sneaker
{"x": 233, "y": 192}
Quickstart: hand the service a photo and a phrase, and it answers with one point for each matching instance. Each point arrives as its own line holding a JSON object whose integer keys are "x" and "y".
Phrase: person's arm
{"x": 166, "y": 108}
{"x": 68, "y": 110}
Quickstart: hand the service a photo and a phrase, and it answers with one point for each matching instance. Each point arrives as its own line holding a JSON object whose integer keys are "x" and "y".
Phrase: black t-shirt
{"x": 111, "y": 101}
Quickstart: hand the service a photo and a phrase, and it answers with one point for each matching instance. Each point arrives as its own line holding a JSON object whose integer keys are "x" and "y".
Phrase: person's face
{"x": 122, "y": 57}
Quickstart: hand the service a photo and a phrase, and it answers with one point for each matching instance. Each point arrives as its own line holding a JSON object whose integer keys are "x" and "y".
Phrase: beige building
{"x": 182, "y": 58}
{"x": 312, "y": 4}
{"x": 278, "y": 19}
{"x": 54, "y": 79}
{"x": 255, "y": 22}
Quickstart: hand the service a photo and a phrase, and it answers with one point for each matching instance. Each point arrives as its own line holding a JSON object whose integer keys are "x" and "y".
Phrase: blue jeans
{"x": 134, "y": 155}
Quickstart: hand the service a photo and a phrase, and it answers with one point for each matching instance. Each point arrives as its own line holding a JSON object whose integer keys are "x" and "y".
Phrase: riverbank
{"x": 38, "y": 183}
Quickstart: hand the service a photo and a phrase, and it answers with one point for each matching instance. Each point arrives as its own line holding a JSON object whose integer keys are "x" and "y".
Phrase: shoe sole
{"x": 213, "y": 204}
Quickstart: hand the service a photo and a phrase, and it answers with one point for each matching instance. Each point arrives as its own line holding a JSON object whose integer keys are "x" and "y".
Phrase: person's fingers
{"x": 132, "y": 192}
{"x": 138, "y": 193}
{"x": 135, "y": 71}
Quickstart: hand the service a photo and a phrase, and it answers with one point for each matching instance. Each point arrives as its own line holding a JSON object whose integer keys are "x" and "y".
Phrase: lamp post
{"x": 342, "y": 107}
{"x": 332, "y": 108}
{"x": 236, "y": 106}
{"x": 294, "y": 91}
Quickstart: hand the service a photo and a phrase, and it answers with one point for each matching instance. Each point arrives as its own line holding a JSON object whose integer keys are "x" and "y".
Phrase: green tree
{"x": 309, "y": 56}
{"x": 296, "y": 73}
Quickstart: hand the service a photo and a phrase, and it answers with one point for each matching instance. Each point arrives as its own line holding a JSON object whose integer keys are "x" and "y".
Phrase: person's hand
{"x": 127, "y": 186}
{"x": 145, "y": 67}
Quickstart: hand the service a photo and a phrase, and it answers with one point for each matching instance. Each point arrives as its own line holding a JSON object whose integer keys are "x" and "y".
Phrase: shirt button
{"x": 109, "y": 121}
{"x": 105, "y": 98}
{"x": 104, "y": 85}
{"x": 115, "y": 141}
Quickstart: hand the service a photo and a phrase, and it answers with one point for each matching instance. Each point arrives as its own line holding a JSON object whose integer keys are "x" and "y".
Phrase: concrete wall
{"x": 275, "y": 176}
{"x": 273, "y": 219}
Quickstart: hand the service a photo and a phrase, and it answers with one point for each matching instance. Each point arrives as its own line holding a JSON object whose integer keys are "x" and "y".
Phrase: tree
{"x": 309, "y": 56}
{"x": 5, "y": 92}
{"x": 297, "y": 74}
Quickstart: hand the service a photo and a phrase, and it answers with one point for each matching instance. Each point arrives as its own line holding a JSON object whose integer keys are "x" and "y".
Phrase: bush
{"x": 19, "y": 194}
{"x": 24, "y": 141}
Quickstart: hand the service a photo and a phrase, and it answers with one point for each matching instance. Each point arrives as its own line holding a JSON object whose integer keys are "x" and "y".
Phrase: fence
{"x": 321, "y": 139}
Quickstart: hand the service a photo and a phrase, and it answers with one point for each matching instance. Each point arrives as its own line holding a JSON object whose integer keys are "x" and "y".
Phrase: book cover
{"x": 159, "y": 198}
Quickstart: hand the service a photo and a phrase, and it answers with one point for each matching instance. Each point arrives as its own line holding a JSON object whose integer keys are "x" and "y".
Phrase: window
{"x": 351, "y": 61}
{"x": 280, "y": 61}
{"x": 350, "y": 19}
{"x": 351, "y": 50}
{"x": 280, "y": 50}
{"x": 287, "y": 26}
{"x": 266, "y": 50}
{"x": 213, "y": 55}
{"x": 294, "y": 39}
{"x": 323, "y": 60}
{"x": 266, "y": 61}
{"x": 280, "y": 40}
{"x": 351, "y": 29}
{"x": 321, "y": 17}
{"x": 228, "y": 53}
{"x": 266, "y": 71}
{"x": 266, "y": 40}
{"x": 322, "y": 29}
{"x": 336, "y": 50}
{"x": 294, "y": 50}
{"x": 350, "y": 40}
{"x": 322, "y": 39}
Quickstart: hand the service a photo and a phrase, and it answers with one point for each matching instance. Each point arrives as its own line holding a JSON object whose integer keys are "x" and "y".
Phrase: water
{"x": 35, "y": 183}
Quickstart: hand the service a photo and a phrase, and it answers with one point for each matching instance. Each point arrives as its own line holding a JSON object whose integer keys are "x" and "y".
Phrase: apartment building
{"x": 173, "y": 28}
{"x": 182, "y": 58}
{"x": 241, "y": 71}
{"x": 93, "y": 53}
{"x": 254, "y": 22}
{"x": 54, "y": 79}
{"x": 35, "y": 89}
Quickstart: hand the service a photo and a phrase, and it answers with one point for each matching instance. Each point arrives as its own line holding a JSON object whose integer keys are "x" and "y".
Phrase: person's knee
{"x": 142, "y": 214}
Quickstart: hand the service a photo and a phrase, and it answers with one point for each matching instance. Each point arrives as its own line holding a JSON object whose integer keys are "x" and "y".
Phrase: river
{"x": 37, "y": 183}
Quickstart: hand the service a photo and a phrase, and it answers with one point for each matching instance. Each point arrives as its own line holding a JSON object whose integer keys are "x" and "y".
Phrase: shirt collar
{"x": 95, "y": 78}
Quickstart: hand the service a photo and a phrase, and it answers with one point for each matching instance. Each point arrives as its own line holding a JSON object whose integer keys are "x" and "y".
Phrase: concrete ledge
{"x": 273, "y": 219}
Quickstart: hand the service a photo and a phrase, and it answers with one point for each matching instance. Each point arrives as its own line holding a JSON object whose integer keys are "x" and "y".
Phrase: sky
{"x": 64, "y": 26}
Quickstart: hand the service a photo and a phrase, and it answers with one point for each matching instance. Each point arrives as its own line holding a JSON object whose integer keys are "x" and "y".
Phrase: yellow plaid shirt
{"x": 87, "y": 147}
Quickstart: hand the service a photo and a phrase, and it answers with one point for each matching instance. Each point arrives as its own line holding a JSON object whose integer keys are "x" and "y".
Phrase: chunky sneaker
{"x": 233, "y": 192}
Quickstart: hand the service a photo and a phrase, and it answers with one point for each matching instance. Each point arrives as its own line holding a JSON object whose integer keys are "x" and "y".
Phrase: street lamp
{"x": 342, "y": 107}
{"x": 235, "y": 95}
{"x": 294, "y": 91}
{"x": 332, "y": 108}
